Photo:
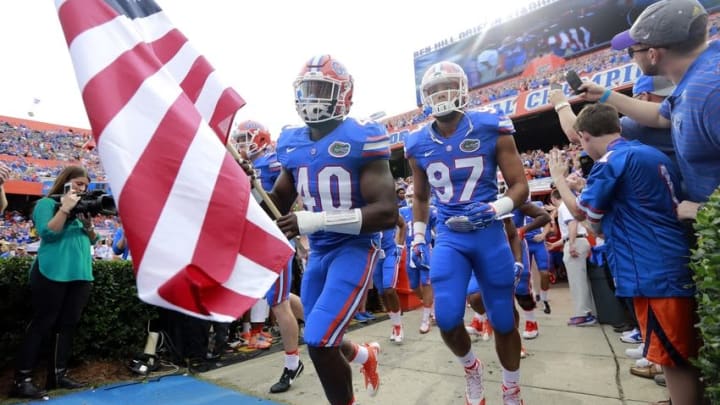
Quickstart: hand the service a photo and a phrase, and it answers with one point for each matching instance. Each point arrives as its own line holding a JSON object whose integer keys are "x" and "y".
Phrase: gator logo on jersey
{"x": 339, "y": 149}
{"x": 470, "y": 145}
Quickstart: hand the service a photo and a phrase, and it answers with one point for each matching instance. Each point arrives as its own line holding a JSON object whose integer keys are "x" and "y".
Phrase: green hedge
{"x": 706, "y": 265}
{"x": 113, "y": 324}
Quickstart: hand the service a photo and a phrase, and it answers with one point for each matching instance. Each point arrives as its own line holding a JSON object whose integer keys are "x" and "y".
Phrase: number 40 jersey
{"x": 327, "y": 171}
{"x": 461, "y": 168}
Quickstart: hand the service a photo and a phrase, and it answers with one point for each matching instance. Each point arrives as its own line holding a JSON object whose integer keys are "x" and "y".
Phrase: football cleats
{"x": 444, "y": 88}
{"x": 323, "y": 90}
{"x": 251, "y": 138}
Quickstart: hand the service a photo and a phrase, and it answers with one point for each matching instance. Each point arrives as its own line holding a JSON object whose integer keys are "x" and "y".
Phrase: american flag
{"x": 160, "y": 117}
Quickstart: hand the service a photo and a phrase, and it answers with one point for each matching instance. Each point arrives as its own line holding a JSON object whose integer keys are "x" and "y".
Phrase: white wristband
{"x": 503, "y": 206}
{"x": 419, "y": 230}
{"x": 348, "y": 221}
{"x": 561, "y": 105}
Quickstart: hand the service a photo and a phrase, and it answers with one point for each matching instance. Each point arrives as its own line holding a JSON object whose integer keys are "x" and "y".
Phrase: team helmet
{"x": 251, "y": 138}
{"x": 323, "y": 90}
{"x": 444, "y": 88}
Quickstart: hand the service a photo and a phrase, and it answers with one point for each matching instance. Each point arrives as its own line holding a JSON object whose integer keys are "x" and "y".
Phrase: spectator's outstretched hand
{"x": 557, "y": 165}
{"x": 556, "y": 97}
{"x": 593, "y": 92}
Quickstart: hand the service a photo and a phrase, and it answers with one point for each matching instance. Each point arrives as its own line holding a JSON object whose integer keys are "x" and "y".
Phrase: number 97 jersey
{"x": 327, "y": 171}
{"x": 461, "y": 168}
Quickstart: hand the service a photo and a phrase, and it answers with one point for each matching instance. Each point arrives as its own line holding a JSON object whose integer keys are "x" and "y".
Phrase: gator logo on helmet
{"x": 338, "y": 68}
{"x": 339, "y": 149}
{"x": 470, "y": 145}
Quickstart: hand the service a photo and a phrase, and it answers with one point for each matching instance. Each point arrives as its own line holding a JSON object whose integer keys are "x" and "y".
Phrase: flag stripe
{"x": 157, "y": 107}
{"x": 194, "y": 82}
{"x": 172, "y": 138}
{"x": 131, "y": 69}
{"x": 92, "y": 17}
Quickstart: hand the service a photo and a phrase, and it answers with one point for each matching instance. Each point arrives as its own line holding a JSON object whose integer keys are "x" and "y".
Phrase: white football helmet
{"x": 444, "y": 88}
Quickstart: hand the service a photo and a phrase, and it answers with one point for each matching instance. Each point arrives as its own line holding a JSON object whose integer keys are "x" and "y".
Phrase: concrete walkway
{"x": 566, "y": 366}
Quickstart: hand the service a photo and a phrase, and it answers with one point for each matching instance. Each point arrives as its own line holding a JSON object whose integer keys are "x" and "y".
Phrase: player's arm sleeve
{"x": 505, "y": 124}
{"x": 376, "y": 145}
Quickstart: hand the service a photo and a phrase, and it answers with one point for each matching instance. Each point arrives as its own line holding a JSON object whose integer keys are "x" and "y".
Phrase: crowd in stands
{"x": 18, "y": 235}
{"x": 22, "y": 146}
{"x": 586, "y": 64}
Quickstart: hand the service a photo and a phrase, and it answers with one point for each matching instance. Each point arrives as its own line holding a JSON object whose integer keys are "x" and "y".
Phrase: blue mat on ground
{"x": 170, "y": 390}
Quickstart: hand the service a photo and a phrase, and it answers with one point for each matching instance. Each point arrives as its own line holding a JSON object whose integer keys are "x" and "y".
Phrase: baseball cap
{"x": 666, "y": 22}
{"x": 658, "y": 85}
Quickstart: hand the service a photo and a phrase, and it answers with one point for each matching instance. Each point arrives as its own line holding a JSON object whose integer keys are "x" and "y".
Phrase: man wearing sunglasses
{"x": 669, "y": 38}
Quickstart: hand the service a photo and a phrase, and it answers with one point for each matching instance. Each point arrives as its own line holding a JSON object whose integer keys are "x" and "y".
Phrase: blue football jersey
{"x": 461, "y": 169}
{"x": 267, "y": 169}
{"x": 406, "y": 213}
{"x": 327, "y": 171}
{"x": 631, "y": 189}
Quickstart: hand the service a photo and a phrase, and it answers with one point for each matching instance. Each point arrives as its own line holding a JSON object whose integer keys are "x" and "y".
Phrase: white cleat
{"x": 397, "y": 334}
{"x": 474, "y": 389}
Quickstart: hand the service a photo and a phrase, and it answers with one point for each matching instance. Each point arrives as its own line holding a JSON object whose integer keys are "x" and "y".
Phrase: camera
{"x": 94, "y": 203}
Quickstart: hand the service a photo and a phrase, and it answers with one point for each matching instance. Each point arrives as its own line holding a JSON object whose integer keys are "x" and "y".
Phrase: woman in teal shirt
{"x": 60, "y": 281}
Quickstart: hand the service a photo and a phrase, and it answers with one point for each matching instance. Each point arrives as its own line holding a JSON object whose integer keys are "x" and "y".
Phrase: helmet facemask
{"x": 444, "y": 89}
{"x": 320, "y": 99}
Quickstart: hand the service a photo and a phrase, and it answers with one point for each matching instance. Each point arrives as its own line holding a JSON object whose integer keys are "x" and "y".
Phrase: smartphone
{"x": 67, "y": 188}
{"x": 574, "y": 81}
{"x": 556, "y": 86}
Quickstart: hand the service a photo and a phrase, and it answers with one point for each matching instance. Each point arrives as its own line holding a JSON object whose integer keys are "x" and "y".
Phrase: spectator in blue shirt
{"x": 669, "y": 38}
{"x": 630, "y": 194}
{"x": 653, "y": 89}
{"x": 119, "y": 244}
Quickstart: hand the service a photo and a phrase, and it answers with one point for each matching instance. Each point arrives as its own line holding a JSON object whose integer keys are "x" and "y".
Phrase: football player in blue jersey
{"x": 253, "y": 142}
{"x": 456, "y": 157}
{"x": 339, "y": 166}
{"x": 385, "y": 279}
{"x": 530, "y": 218}
{"x": 419, "y": 275}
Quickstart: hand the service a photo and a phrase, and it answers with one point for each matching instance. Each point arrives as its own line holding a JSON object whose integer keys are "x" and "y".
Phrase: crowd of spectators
{"x": 36, "y": 155}
{"x": 19, "y": 237}
{"x": 585, "y": 64}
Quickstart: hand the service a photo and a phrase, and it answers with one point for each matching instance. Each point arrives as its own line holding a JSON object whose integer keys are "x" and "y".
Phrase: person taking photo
{"x": 60, "y": 282}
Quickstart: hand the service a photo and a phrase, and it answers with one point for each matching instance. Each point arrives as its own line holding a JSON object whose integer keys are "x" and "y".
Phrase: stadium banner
{"x": 536, "y": 101}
